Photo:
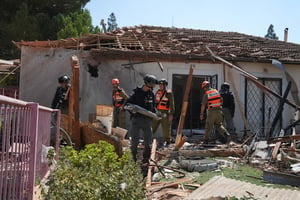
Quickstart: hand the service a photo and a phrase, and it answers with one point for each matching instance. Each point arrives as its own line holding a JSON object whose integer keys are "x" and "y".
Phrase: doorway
{"x": 192, "y": 123}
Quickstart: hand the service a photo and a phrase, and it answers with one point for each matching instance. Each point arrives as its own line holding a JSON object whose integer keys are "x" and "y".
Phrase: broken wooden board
{"x": 212, "y": 152}
{"x": 277, "y": 146}
{"x": 281, "y": 178}
{"x": 150, "y": 168}
{"x": 184, "y": 108}
{"x": 90, "y": 134}
{"x": 175, "y": 183}
{"x": 288, "y": 138}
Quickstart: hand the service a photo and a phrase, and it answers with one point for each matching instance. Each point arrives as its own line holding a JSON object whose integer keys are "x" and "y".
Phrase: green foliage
{"x": 112, "y": 23}
{"x": 95, "y": 172}
{"x": 31, "y": 20}
{"x": 22, "y": 26}
{"x": 271, "y": 34}
{"x": 76, "y": 24}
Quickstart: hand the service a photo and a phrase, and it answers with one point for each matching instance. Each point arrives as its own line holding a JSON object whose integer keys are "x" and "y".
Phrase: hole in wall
{"x": 93, "y": 70}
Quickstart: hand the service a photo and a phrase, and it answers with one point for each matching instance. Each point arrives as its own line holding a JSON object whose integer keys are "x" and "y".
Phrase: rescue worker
{"x": 119, "y": 97}
{"x": 165, "y": 109}
{"x": 61, "y": 97}
{"x": 142, "y": 96}
{"x": 213, "y": 100}
{"x": 228, "y": 107}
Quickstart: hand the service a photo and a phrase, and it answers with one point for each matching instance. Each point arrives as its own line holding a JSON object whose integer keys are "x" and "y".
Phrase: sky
{"x": 251, "y": 17}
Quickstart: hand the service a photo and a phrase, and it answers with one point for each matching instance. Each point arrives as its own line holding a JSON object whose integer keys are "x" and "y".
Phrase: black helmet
{"x": 63, "y": 79}
{"x": 225, "y": 86}
{"x": 150, "y": 79}
{"x": 163, "y": 81}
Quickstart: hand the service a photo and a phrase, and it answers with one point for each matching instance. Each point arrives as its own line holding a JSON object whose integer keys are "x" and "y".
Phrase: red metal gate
{"x": 25, "y": 129}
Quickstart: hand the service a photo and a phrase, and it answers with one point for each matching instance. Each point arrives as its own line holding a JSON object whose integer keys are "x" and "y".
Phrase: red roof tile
{"x": 181, "y": 42}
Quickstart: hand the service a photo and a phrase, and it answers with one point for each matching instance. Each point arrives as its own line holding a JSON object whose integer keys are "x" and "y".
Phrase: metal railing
{"x": 25, "y": 130}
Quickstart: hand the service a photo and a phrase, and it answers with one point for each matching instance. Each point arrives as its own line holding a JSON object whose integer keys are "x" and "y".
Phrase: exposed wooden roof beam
{"x": 118, "y": 42}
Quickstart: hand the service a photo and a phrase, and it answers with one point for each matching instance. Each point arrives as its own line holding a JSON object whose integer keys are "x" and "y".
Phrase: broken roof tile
{"x": 170, "y": 40}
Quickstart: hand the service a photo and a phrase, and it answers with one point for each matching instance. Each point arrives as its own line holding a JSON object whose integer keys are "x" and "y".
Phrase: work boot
{"x": 205, "y": 141}
{"x": 144, "y": 167}
{"x": 223, "y": 138}
{"x": 144, "y": 170}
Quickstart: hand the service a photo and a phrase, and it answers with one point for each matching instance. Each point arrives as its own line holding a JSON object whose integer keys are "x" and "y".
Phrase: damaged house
{"x": 130, "y": 53}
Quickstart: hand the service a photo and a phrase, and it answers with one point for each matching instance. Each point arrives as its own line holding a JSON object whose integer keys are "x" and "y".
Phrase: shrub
{"x": 95, "y": 172}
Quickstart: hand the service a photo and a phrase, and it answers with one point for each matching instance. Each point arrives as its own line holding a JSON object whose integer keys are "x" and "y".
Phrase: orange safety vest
{"x": 213, "y": 98}
{"x": 162, "y": 102}
{"x": 117, "y": 98}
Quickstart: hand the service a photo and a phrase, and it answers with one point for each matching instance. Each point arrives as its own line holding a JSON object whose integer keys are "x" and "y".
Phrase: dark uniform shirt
{"x": 143, "y": 99}
{"x": 228, "y": 100}
{"x": 58, "y": 101}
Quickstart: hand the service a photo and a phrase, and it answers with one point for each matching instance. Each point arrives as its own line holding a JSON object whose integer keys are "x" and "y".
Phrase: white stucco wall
{"x": 41, "y": 68}
{"x": 39, "y": 72}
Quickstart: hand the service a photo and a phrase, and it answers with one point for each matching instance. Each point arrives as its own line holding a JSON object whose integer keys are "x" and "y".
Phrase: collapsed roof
{"x": 165, "y": 42}
{"x": 8, "y": 66}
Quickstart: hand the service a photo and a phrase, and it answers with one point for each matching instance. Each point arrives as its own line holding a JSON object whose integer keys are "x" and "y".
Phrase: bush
{"x": 95, "y": 173}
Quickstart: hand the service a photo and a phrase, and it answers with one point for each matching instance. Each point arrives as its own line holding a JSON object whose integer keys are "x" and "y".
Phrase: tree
{"x": 31, "y": 20}
{"x": 76, "y": 24}
{"x": 112, "y": 23}
{"x": 41, "y": 20}
{"x": 23, "y": 26}
{"x": 271, "y": 34}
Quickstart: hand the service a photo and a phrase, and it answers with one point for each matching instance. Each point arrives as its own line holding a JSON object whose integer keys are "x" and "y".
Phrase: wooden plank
{"x": 150, "y": 168}
{"x": 76, "y": 97}
{"x": 212, "y": 153}
{"x": 277, "y": 146}
{"x": 239, "y": 103}
{"x": 184, "y": 107}
{"x": 71, "y": 107}
{"x": 91, "y": 134}
{"x": 163, "y": 185}
{"x": 230, "y": 64}
{"x": 293, "y": 144}
{"x": 284, "y": 139}
{"x": 291, "y": 149}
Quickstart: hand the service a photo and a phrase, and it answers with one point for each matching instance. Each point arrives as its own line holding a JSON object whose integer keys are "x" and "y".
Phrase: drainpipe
{"x": 286, "y": 34}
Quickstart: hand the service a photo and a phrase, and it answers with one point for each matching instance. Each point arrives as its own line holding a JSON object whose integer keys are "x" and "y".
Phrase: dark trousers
{"x": 140, "y": 122}
{"x": 228, "y": 121}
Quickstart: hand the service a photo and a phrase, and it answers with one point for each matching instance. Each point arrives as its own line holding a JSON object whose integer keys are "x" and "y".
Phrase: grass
{"x": 241, "y": 172}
